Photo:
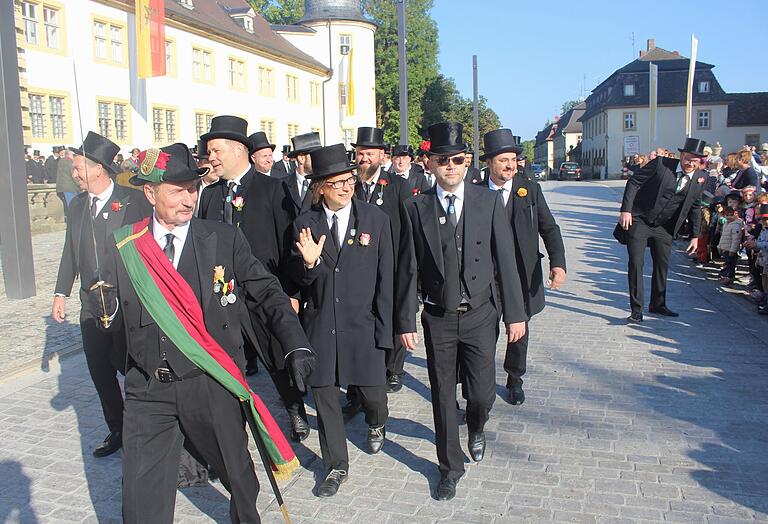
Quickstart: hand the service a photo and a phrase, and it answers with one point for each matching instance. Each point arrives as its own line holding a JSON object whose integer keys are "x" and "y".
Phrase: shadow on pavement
{"x": 16, "y": 489}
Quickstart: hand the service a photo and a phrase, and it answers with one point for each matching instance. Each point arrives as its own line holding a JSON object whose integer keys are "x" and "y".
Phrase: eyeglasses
{"x": 443, "y": 160}
{"x": 339, "y": 184}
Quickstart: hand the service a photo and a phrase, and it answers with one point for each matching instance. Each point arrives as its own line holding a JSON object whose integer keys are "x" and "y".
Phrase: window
{"x": 237, "y": 73}
{"x": 187, "y": 3}
{"x": 163, "y": 125}
{"x": 245, "y": 21}
{"x": 348, "y": 137}
{"x": 343, "y": 95}
{"x": 630, "y": 120}
{"x": 704, "y": 86}
{"x": 113, "y": 119}
{"x": 170, "y": 57}
{"x": 49, "y": 116}
{"x": 752, "y": 140}
{"x": 52, "y": 23}
{"x": 314, "y": 93}
{"x": 202, "y": 65}
{"x": 268, "y": 126}
{"x": 292, "y": 86}
{"x": 43, "y": 24}
{"x": 202, "y": 122}
{"x": 629, "y": 89}
{"x": 345, "y": 44}
{"x": 266, "y": 81}
{"x": 315, "y": 130}
{"x": 293, "y": 130}
{"x": 703, "y": 119}
{"x": 37, "y": 115}
{"x": 109, "y": 39}
{"x": 29, "y": 14}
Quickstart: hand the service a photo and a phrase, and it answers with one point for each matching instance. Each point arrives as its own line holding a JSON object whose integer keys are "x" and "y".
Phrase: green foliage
{"x": 283, "y": 11}
{"x": 568, "y": 105}
{"x": 528, "y": 149}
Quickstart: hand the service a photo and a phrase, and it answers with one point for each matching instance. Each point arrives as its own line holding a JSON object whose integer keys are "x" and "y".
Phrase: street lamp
{"x": 605, "y": 159}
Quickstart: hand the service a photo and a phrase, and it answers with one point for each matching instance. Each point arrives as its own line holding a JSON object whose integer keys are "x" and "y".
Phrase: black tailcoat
{"x": 279, "y": 171}
{"x": 475, "y": 176}
{"x": 293, "y": 200}
{"x": 487, "y": 251}
{"x": 650, "y": 188}
{"x": 348, "y": 297}
{"x": 416, "y": 180}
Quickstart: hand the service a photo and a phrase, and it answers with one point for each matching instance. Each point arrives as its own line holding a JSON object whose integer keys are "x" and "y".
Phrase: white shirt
{"x": 679, "y": 171}
{"x": 507, "y": 187}
{"x": 404, "y": 175}
{"x": 342, "y": 215}
{"x": 102, "y": 198}
{"x": 179, "y": 237}
{"x": 430, "y": 178}
{"x": 373, "y": 181}
{"x": 300, "y": 182}
{"x": 238, "y": 180}
{"x": 458, "y": 204}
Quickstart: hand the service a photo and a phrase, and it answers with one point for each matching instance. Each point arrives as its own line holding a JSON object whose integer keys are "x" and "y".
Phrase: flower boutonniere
{"x": 383, "y": 183}
{"x": 700, "y": 180}
{"x": 522, "y": 192}
{"x": 415, "y": 191}
{"x": 117, "y": 206}
{"x": 364, "y": 239}
{"x": 238, "y": 202}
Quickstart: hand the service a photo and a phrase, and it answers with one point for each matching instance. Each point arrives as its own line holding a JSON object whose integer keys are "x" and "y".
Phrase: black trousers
{"x": 105, "y": 354}
{"x": 466, "y": 341}
{"x": 396, "y": 359}
{"x": 158, "y": 418}
{"x": 515, "y": 359}
{"x": 330, "y": 421}
{"x": 659, "y": 240}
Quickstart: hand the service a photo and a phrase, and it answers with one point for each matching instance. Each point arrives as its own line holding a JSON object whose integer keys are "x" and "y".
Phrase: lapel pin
{"x": 350, "y": 241}
{"x": 442, "y": 221}
{"x": 105, "y": 215}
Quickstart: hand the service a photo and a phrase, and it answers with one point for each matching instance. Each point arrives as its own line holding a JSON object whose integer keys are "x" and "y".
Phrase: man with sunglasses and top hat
{"x": 93, "y": 215}
{"x": 403, "y": 166}
{"x": 296, "y": 184}
{"x": 261, "y": 154}
{"x": 343, "y": 261}
{"x": 530, "y": 218}
{"x": 182, "y": 285}
{"x": 460, "y": 238}
{"x": 285, "y": 166}
{"x": 657, "y": 200}
{"x": 255, "y": 204}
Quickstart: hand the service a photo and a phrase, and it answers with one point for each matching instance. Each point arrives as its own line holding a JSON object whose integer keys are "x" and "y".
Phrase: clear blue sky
{"x": 533, "y": 55}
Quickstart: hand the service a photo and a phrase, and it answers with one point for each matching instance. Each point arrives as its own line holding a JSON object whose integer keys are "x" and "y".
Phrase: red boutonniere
{"x": 364, "y": 239}
{"x": 238, "y": 202}
{"x": 383, "y": 183}
{"x": 415, "y": 191}
{"x": 700, "y": 180}
{"x": 117, "y": 206}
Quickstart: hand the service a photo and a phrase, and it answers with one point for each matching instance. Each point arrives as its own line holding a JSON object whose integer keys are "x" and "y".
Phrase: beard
{"x": 368, "y": 172}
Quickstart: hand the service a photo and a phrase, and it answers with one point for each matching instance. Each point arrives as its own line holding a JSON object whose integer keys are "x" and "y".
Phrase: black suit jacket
{"x": 474, "y": 175}
{"x": 746, "y": 177}
{"x": 415, "y": 180}
{"x": 293, "y": 201}
{"x": 78, "y": 241}
{"x": 348, "y": 297}
{"x": 487, "y": 251}
{"x": 208, "y": 244}
{"x": 279, "y": 171}
{"x": 647, "y": 190}
{"x": 530, "y": 218}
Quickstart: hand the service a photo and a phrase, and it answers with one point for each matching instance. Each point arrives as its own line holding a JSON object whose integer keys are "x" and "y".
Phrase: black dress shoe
{"x": 394, "y": 383}
{"x": 112, "y": 443}
{"x": 299, "y": 428}
{"x": 516, "y": 394}
{"x": 664, "y": 311}
{"x": 376, "y": 437}
{"x": 635, "y": 318}
{"x": 330, "y": 485}
{"x": 476, "y": 446}
{"x": 446, "y": 489}
{"x": 351, "y": 408}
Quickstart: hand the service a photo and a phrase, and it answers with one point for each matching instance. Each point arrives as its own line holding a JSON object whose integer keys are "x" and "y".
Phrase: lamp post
{"x": 605, "y": 159}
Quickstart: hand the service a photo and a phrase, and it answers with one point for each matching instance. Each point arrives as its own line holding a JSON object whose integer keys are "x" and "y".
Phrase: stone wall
{"x": 46, "y": 211}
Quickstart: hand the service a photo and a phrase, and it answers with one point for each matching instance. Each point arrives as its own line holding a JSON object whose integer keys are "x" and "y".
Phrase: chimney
{"x": 651, "y": 44}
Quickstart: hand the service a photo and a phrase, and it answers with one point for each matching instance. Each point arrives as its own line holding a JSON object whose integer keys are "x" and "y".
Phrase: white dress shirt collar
{"x": 342, "y": 215}
{"x": 458, "y": 204}
{"x": 179, "y": 237}
{"x": 507, "y": 187}
{"x": 102, "y": 198}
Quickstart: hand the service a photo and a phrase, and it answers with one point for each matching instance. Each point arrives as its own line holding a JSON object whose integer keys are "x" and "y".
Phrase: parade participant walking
{"x": 255, "y": 204}
{"x": 530, "y": 217}
{"x": 261, "y": 154}
{"x": 296, "y": 184}
{"x": 286, "y": 165}
{"x": 344, "y": 264}
{"x": 182, "y": 283}
{"x": 402, "y": 166}
{"x": 93, "y": 215}
{"x": 460, "y": 240}
{"x": 657, "y": 200}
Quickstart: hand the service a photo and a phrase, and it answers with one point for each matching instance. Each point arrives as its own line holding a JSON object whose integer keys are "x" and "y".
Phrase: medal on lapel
{"x": 382, "y": 184}
{"x": 227, "y": 289}
{"x": 441, "y": 220}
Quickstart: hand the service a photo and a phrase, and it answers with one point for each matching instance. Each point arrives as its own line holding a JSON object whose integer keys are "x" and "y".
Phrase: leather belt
{"x": 166, "y": 375}
{"x": 463, "y": 308}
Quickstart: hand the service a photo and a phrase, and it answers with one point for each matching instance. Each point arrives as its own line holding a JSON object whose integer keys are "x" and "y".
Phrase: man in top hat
{"x": 183, "y": 284}
{"x": 474, "y": 175}
{"x": 261, "y": 154}
{"x": 50, "y": 165}
{"x": 657, "y": 200}
{"x": 285, "y": 166}
{"x": 402, "y": 166}
{"x": 296, "y": 184}
{"x": 530, "y": 218}
{"x": 93, "y": 215}
{"x": 210, "y": 177}
{"x": 35, "y": 168}
{"x": 388, "y": 192}
{"x": 460, "y": 239}
{"x": 387, "y": 164}
{"x": 344, "y": 265}
{"x": 255, "y": 204}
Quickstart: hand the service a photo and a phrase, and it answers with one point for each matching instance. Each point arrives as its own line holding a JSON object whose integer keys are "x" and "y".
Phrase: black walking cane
{"x": 265, "y": 460}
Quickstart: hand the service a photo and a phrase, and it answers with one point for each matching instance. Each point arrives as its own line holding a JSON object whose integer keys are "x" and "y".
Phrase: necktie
{"x": 228, "y": 201}
{"x": 335, "y": 233}
{"x": 304, "y": 187}
{"x": 368, "y": 190}
{"x": 681, "y": 181}
{"x": 452, "y": 210}
{"x": 169, "y": 251}
{"x": 501, "y": 195}
{"x": 429, "y": 179}
{"x": 93, "y": 206}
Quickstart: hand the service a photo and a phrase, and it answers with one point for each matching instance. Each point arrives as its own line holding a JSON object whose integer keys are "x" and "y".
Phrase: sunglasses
{"x": 444, "y": 160}
{"x": 339, "y": 184}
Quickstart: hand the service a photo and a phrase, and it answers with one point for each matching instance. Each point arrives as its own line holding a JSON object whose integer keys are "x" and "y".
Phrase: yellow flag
{"x": 150, "y": 37}
{"x": 350, "y": 88}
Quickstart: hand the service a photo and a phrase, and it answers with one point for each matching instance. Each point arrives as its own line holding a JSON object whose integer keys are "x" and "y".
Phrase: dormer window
{"x": 187, "y": 3}
{"x": 245, "y": 21}
{"x": 704, "y": 86}
{"x": 629, "y": 89}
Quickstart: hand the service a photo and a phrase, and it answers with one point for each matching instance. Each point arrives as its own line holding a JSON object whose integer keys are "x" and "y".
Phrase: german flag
{"x": 150, "y": 37}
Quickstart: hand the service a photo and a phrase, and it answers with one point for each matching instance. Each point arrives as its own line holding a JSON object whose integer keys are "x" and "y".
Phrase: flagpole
{"x": 689, "y": 97}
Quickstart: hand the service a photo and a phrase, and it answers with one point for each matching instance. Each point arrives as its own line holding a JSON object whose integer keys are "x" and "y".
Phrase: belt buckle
{"x": 165, "y": 375}
{"x": 463, "y": 308}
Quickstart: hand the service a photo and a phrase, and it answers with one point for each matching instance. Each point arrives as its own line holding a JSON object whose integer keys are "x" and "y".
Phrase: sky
{"x": 533, "y": 55}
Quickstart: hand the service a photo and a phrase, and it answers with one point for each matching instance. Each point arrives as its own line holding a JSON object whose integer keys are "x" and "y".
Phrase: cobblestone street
{"x": 663, "y": 421}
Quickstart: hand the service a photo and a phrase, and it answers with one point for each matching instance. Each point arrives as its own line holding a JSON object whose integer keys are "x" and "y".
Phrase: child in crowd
{"x": 716, "y": 223}
{"x": 729, "y": 245}
{"x": 762, "y": 257}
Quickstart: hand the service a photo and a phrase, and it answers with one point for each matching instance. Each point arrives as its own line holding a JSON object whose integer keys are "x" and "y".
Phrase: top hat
{"x": 305, "y": 143}
{"x": 98, "y": 149}
{"x": 258, "y": 141}
{"x": 56, "y": 149}
{"x": 402, "y": 150}
{"x": 734, "y": 194}
{"x": 173, "y": 163}
{"x": 201, "y": 150}
{"x": 446, "y": 138}
{"x": 762, "y": 211}
{"x": 372, "y": 137}
{"x": 499, "y": 141}
{"x": 286, "y": 149}
{"x": 694, "y": 146}
{"x": 229, "y": 127}
{"x": 329, "y": 161}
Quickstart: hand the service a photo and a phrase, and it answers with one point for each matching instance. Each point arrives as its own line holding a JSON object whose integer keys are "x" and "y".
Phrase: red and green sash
{"x": 173, "y": 305}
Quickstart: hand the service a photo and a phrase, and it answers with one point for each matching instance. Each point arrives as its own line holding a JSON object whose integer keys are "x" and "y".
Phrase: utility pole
{"x": 403, "y": 72}
{"x": 18, "y": 267}
{"x": 475, "y": 114}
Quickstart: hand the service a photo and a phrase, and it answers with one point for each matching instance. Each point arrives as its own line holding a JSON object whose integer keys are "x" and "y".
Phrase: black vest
{"x": 451, "y": 241}
{"x": 671, "y": 204}
{"x": 87, "y": 258}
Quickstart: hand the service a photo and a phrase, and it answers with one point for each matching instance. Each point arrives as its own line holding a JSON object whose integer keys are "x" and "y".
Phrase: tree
{"x": 528, "y": 149}
{"x": 568, "y": 105}
{"x": 282, "y": 12}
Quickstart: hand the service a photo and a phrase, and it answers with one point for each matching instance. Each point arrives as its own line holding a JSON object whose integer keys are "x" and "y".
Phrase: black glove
{"x": 300, "y": 362}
